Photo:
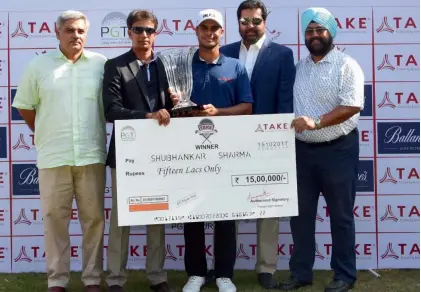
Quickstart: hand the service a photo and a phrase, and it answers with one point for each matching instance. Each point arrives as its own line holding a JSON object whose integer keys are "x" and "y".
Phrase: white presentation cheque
{"x": 205, "y": 169}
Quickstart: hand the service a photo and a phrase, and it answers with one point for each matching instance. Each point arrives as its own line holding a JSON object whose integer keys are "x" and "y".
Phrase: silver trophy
{"x": 178, "y": 67}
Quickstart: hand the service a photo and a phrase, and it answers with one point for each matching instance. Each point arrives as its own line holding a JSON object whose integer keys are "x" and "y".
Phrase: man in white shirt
{"x": 328, "y": 98}
{"x": 271, "y": 71}
{"x": 59, "y": 97}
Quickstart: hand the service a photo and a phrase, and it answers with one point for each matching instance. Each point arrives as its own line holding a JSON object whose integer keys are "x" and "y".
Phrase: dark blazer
{"x": 125, "y": 94}
{"x": 273, "y": 77}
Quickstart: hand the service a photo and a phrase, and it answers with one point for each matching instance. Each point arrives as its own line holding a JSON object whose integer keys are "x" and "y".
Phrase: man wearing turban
{"x": 328, "y": 98}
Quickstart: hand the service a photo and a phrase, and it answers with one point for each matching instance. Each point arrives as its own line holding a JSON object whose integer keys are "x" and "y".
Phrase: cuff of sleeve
{"x": 139, "y": 115}
{"x": 352, "y": 104}
{"x": 22, "y": 106}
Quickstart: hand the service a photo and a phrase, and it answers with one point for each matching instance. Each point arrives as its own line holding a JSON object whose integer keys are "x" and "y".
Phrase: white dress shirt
{"x": 248, "y": 57}
{"x": 336, "y": 80}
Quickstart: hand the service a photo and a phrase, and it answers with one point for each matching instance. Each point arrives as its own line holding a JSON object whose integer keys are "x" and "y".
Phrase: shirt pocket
{"x": 90, "y": 88}
{"x": 325, "y": 89}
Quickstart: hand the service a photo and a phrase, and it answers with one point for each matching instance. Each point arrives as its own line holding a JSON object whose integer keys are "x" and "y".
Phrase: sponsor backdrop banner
{"x": 385, "y": 42}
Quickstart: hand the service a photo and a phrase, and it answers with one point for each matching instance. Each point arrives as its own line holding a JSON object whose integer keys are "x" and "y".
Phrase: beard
{"x": 321, "y": 48}
{"x": 251, "y": 38}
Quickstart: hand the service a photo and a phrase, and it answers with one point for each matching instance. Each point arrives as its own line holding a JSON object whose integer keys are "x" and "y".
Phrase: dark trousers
{"x": 224, "y": 251}
{"x": 330, "y": 168}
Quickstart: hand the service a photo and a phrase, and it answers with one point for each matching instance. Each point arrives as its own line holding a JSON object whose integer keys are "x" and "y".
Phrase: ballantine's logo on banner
{"x": 3, "y": 142}
{"x": 397, "y": 24}
{"x": 15, "y": 113}
{"x": 368, "y": 101}
{"x": 365, "y": 182}
{"x": 25, "y": 180}
{"x": 398, "y": 138}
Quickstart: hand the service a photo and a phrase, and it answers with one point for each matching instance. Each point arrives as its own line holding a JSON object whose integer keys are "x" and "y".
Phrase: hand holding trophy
{"x": 178, "y": 67}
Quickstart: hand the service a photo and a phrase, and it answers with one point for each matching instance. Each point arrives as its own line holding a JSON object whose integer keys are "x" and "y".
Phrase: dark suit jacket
{"x": 273, "y": 77}
{"x": 125, "y": 94}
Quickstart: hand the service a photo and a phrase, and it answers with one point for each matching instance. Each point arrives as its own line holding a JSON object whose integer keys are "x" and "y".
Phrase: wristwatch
{"x": 317, "y": 122}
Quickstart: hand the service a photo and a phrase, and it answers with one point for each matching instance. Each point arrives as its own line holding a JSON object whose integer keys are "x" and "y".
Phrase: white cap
{"x": 211, "y": 14}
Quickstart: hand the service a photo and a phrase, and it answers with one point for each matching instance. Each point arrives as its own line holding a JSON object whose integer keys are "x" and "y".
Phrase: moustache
{"x": 251, "y": 30}
{"x": 316, "y": 39}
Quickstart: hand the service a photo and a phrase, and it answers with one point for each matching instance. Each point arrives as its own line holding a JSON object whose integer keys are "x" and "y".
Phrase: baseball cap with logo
{"x": 211, "y": 14}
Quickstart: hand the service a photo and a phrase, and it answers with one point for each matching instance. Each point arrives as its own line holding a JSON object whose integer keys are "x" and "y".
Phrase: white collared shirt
{"x": 336, "y": 80}
{"x": 248, "y": 57}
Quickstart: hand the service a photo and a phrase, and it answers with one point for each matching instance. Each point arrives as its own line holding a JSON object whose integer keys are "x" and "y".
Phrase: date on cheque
{"x": 259, "y": 179}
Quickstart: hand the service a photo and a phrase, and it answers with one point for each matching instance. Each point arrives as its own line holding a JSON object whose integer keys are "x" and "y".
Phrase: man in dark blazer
{"x": 271, "y": 71}
{"x": 135, "y": 86}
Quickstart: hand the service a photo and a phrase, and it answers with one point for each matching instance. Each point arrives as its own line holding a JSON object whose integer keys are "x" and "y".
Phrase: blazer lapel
{"x": 134, "y": 67}
{"x": 263, "y": 54}
{"x": 237, "y": 47}
{"x": 162, "y": 80}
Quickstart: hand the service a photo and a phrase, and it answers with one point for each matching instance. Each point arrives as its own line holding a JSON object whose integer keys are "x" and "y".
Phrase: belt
{"x": 328, "y": 143}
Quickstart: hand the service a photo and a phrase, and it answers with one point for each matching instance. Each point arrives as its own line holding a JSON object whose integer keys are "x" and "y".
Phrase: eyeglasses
{"x": 319, "y": 31}
{"x": 248, "y": 20}
{"x": 142, "y": 29}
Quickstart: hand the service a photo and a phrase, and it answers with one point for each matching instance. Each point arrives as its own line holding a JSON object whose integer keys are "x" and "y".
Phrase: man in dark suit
{"x": 135, "y": 87}
{"x": 271, "y": 71}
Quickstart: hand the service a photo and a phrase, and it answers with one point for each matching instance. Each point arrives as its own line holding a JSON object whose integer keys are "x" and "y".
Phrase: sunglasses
{"x": 248, "y": 20}
{"x": 142, "y": 29}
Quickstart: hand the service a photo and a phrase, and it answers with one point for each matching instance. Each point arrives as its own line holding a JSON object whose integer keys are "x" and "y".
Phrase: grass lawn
{"x": 391, "y": 280}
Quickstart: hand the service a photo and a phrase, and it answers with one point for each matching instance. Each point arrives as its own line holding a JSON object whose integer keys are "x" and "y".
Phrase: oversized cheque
{"x": 205, "y": 169}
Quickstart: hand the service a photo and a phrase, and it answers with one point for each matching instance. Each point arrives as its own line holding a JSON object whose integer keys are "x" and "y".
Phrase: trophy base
{"x": 186, "y": 106}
